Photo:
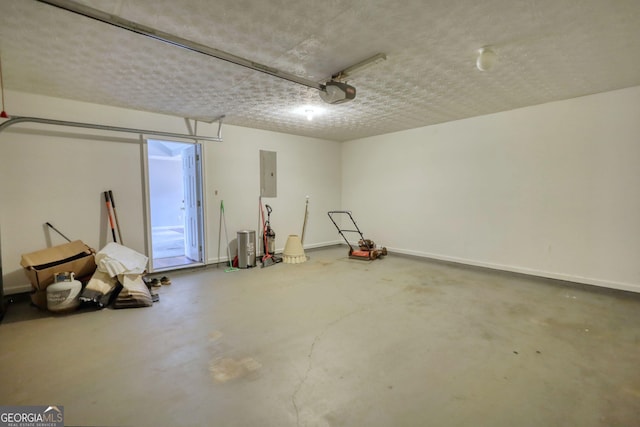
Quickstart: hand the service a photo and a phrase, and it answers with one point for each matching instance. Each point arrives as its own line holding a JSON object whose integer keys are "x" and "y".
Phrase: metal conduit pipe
{"x": 20, "y": 119}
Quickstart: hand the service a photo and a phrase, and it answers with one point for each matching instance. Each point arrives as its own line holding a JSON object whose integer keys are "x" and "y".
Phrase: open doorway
{"x": 174, "y": 176}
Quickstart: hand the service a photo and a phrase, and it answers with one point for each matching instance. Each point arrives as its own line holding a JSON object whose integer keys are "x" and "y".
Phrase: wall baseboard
{"x": 321, "y": 245}
{"x": 630, "y": 287}
{"x": 17, "y": 289}
{"x": 513, "y": 269}
{"x": 279, "y": 251}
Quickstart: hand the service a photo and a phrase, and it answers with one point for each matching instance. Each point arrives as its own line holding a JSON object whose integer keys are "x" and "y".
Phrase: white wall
{"x": 551, "y": 190}
{"x": 305, "y": 166}
{"x": 58, "y": 174}
{"x": 167, "y": 187}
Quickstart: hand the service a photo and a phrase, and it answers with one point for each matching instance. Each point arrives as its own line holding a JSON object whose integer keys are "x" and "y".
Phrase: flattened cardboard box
{"x": 41, "y": 266}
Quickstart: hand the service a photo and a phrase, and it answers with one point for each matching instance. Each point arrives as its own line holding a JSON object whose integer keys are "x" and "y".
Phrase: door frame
{"x": 147, "y": 205}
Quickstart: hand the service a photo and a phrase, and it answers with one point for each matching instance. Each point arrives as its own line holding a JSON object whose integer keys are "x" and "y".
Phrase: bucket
{"x": 246, "y": 249}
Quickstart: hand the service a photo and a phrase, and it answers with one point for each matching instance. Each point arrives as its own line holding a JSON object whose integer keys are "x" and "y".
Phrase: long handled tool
{"x": 3, "y": 113}
{"x": 58, "y": 231}
{"x": 220, "y": 232}
{"x": 115, "y": 215}
{"x": 304, "y": 223}
{"x": 108, "y": 202}
{"x": 224, "y": 220}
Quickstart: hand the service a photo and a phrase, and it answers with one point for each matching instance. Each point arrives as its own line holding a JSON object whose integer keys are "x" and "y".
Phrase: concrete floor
{"x": 337, "y": 342}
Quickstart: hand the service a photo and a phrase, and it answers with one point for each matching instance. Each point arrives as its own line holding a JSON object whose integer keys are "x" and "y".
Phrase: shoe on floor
{"x": 155, "y": 283}
{"x": 164, "y": 280}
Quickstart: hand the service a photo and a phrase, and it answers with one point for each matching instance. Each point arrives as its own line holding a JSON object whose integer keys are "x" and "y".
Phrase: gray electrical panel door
{"x": 268, "y": 174}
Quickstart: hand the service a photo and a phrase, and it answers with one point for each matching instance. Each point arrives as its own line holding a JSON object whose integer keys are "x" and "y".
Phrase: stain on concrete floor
{"x": 226, "y": 369}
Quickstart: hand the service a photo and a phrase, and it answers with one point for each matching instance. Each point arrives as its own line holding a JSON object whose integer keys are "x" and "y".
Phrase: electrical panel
{"x": 268, "y": 174}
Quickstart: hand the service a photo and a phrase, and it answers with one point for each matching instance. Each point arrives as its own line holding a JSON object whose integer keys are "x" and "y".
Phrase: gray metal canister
{"x": 246, "y": 249}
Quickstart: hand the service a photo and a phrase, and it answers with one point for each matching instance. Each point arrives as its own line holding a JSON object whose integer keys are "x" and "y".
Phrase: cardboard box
{"x": 41, "y": 266}
{"x": 39, "y": 298}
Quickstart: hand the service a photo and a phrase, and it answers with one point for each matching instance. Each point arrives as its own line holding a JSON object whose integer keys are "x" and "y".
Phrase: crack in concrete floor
{"x": 316, "y": 339}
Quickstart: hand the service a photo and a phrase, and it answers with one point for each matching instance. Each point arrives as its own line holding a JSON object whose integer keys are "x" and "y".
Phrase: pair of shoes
{"x": 164, "y": 280}
{"x": 155, "y": 283}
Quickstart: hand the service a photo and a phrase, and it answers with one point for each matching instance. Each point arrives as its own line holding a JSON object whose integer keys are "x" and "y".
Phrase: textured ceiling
{"x": 546, "y": 50}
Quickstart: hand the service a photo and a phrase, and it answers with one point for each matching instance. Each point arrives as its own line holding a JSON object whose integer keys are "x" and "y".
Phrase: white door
{"x": 192, "y": 203}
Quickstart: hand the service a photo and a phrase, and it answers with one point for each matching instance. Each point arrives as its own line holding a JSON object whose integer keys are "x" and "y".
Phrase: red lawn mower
{"x": 367, "y": 249}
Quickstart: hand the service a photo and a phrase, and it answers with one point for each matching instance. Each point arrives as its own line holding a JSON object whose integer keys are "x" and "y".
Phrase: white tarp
{"x": 117, "y": 263}
{"x": 115, "y": 259}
